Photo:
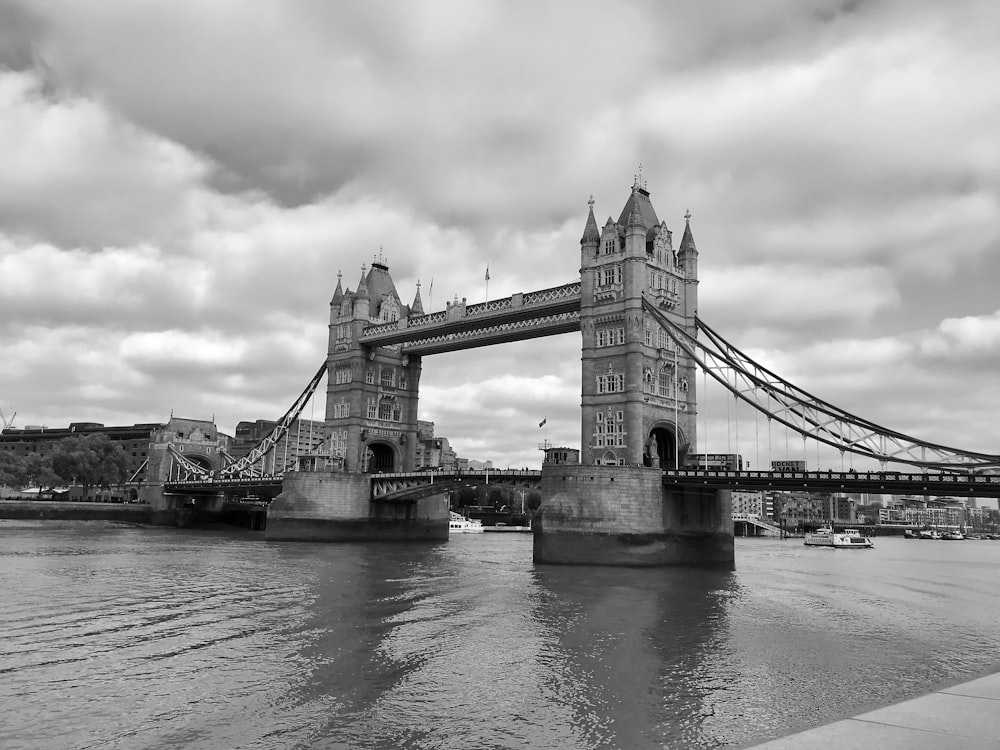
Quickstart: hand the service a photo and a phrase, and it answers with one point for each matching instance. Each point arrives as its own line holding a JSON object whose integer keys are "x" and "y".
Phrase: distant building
{"x": 749, "y": 503}
{"x": 433, "y": 452}
{"x": 303, "y": 437}
{"x": 136, "y": 440}
{"x": 133, "y": 439}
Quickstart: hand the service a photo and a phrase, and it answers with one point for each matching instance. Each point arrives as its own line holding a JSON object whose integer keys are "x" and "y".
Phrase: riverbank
{"x": 54, "y": 510}
{"x": 965, "y": 716}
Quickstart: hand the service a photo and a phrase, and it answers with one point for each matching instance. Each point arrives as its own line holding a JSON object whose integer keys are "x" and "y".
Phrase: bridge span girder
{"x": 401, "y": 487}
{"x": 889, "y": 483}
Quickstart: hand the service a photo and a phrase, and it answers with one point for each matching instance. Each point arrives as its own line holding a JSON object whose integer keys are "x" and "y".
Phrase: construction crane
{"x": 6, "y": 422}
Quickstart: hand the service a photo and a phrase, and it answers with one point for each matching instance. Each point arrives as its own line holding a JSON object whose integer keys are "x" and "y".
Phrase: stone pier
{"x": 624, "y": 516}
{"x": 328, "y": 506}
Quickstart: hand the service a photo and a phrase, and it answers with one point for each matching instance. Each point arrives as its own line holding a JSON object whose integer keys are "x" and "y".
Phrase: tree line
{"x": 91, "y": 461}
{"x": 499, "y": 497}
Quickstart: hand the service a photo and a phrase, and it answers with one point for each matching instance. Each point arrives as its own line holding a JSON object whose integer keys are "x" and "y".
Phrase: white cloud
{"x": 182, "y": 184}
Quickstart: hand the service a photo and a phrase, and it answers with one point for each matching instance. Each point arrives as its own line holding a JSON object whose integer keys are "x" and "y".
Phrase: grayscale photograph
{"x": 490, "y": 375}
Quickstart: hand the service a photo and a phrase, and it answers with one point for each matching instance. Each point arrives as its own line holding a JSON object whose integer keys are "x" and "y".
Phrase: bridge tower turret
{"x": 371, "y": 402}
{"x": 638, "y": 389}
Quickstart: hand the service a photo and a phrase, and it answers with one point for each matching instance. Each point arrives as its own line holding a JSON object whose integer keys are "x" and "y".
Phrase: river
{"x": 118, "y": 636}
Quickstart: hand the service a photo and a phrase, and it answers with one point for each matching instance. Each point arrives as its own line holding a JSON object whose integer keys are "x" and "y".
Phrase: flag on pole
{"x": 430, "y": 289}
{"x": 487, "y": 271}
{"x": 542, "y": 423}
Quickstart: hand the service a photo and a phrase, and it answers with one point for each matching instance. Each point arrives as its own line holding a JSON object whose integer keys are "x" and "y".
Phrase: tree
{"x": 496, "y": 496}
{"x": 11, "y": 470}
{"x": 90, "y": 461}
{"x": 31, "y": 470}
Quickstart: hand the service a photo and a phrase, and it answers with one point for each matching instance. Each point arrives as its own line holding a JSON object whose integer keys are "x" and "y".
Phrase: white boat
{"x": 459, "y": 524}
{"x": 822, "y": 537}
{"x": 852, "y": 539}
{"x": 929, "y": 534}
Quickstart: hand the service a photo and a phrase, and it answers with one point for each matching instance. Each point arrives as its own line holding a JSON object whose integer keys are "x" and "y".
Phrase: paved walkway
{"x": 961, "y": 717}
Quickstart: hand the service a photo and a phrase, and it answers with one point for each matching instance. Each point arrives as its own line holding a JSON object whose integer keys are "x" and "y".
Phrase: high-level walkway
{"x": 960, "y": 717}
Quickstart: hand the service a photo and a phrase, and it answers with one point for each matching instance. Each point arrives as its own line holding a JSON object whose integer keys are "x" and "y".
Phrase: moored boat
{"x": 852, "y": 539}
{"x": 459, "y": 524}
{"x": 822, "y": 537}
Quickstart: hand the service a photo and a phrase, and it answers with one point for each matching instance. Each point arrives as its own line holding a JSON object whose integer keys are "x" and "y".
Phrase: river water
{"x": 128, "y": 637}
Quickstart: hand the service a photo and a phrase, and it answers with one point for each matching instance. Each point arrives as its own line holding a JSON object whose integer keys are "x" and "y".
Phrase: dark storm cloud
{"x": 19, "y": 31}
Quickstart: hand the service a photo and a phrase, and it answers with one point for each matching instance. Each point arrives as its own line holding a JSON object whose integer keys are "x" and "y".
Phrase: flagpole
{"x": 487, "y": 282}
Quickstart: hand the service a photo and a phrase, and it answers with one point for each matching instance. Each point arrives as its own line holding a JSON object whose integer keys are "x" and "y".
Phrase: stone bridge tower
{"x": 372, "y": 393}
{"x": 638, "y": 389}
{"x": 638, "y": 409}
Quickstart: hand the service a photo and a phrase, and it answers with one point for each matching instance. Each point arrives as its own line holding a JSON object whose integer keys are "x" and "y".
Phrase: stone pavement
{"x": 961, "y": 717}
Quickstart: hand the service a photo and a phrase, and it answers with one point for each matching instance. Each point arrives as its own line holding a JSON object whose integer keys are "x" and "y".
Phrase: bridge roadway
{"x": 386, "y": 487}
{"x": 409, "y": 486}
{"x": 885, "y": 482}
{"x": 521, "y": 316}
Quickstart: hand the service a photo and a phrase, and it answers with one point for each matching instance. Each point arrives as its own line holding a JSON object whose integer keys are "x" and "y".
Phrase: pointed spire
{"x": 590, "y": 234}
{"x": 338, "y": 293}
{"x": 687, "y": 241}
{"x": 362, "y": 285}
{"x": 417, "y": 308}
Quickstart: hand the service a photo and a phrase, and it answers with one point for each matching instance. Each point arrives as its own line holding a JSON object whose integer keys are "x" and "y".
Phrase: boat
{"x": 929, "y": 534}
{"x": 822, "y": 537}
{"x": 954, "y": 535}
{"x": 459, "y": 524}
{"x": 851, "y": 539}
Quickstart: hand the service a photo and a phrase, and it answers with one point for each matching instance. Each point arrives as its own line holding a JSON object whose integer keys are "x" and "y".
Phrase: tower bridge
{"x": 632, "y": 499}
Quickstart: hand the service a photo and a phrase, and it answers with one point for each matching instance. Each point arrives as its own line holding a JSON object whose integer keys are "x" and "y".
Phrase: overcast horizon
{"x": 182, "y": 184}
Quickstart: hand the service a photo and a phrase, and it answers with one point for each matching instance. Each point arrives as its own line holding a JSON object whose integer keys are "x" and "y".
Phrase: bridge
{"x": 642, "y": 346}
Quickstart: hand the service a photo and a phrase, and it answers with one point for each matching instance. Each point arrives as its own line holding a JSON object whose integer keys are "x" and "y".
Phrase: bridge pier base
{"x": 624, "y": 516}
{"x": 328, "y": 506}
{"x": 182, "y": 510}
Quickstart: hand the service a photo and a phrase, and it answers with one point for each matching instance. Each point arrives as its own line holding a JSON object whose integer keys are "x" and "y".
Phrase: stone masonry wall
{"x": 616, "y": 515}
{"x": 337, "y": 506}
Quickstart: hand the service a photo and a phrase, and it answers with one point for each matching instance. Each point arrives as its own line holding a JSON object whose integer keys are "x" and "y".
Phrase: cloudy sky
{"x": 181, "y": 182}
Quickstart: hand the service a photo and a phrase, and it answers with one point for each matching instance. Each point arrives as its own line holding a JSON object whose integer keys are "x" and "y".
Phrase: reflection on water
{"x": 121, "y": 637}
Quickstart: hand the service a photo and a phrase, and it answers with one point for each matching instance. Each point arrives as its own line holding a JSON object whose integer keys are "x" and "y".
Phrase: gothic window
{"x": 342, "y": 375}
{"x": 620, "y": 336}
{"x": 609, "y": 246}
{"x": 341, "y": 410}
{"x": 611, "y": 382}
{"x": 372, "y": 409}
{"x": 385, "y": 410}
{"x": 370, "y": 376}
{"x": 397, "y": 413}
{"x": 666, "y": 383}
{"x": 389, "y": 311}
{"x": 647, "y": 336}
{"x": 338, "y": 443}
{"x": 611, "y": 275}
{"x": 386, "y": 377}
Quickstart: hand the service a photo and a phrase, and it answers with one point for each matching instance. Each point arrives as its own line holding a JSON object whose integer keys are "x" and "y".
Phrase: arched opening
{"x": 662, "y": 450}
{"x": 379, "y": 458}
